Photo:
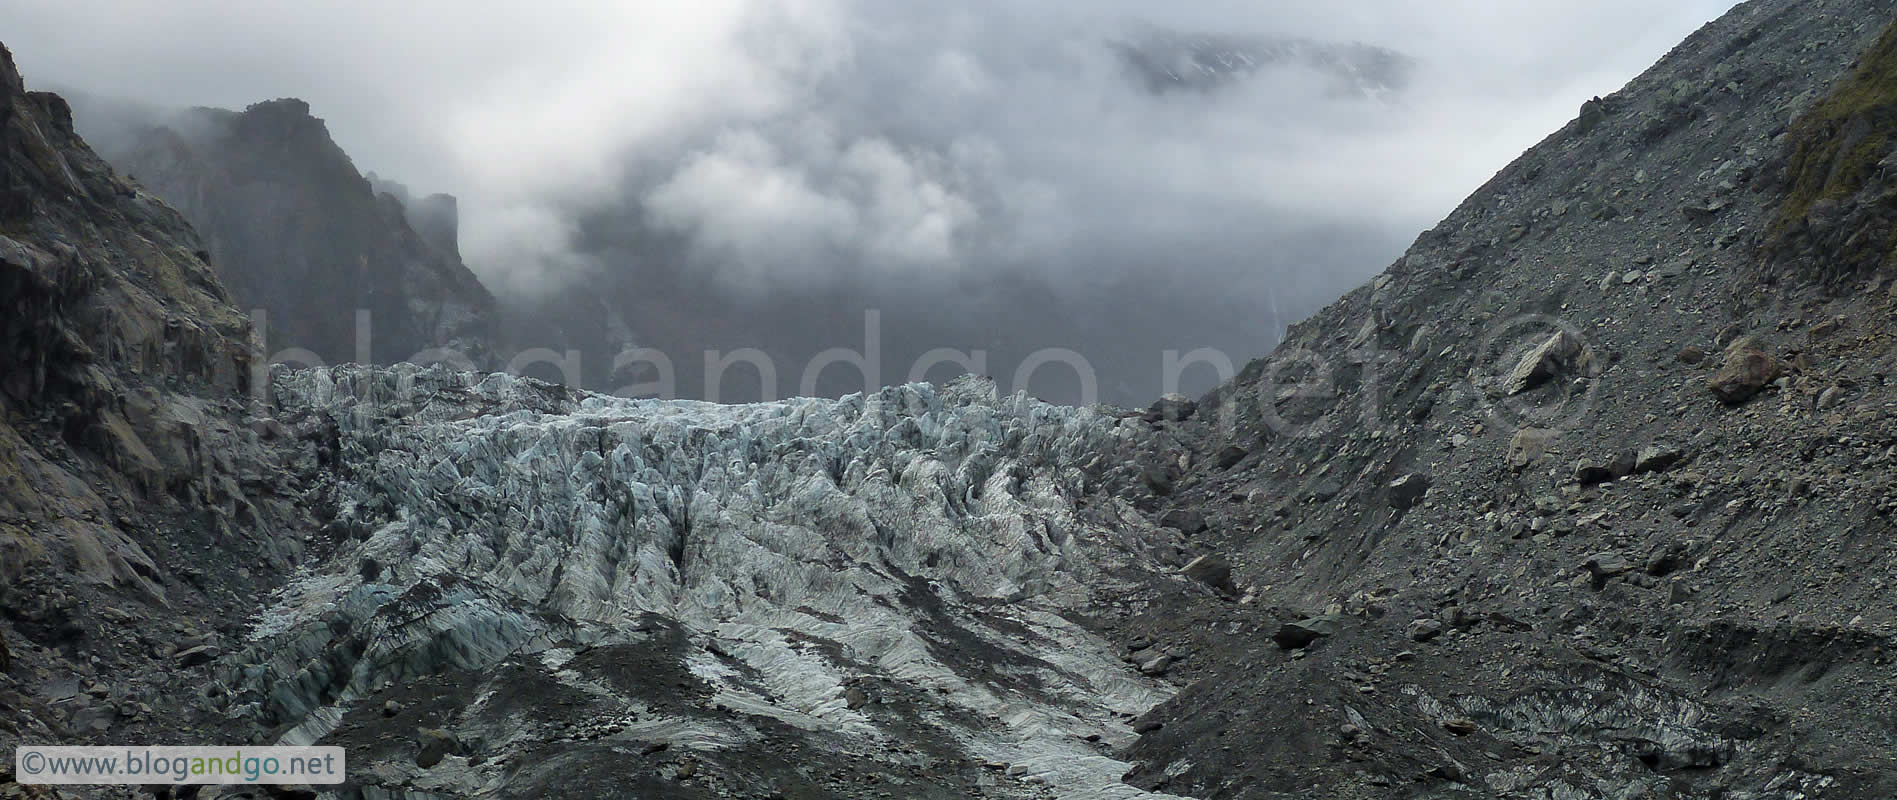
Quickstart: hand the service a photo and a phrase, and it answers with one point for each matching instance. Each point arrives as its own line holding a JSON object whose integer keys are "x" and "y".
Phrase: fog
{"x": 983, "y": 174}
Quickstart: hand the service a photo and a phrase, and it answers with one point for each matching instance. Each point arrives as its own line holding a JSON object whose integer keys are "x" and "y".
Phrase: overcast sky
{"x": 523, "y": 107}
{"x": 798, "y": 142}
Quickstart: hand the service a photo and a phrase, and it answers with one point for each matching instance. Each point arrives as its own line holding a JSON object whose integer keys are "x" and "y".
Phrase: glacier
{"x": 942, "y": 541}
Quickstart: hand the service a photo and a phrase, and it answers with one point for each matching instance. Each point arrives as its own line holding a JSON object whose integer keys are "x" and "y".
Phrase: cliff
{"x": 298, "y": 233}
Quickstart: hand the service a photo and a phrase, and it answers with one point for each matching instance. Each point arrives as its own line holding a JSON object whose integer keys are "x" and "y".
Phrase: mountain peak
{"x": 299, "y": 233}
{"x": 281, "y": 108}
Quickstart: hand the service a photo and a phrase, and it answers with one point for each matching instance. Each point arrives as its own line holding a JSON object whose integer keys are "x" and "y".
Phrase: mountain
{"x": 297, "y": 232}
{"x": 1587, "y": 496}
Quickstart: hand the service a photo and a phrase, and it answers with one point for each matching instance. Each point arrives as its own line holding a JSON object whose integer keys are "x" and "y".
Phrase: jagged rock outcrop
{"x": 435, "y": 218}
{"x": 296, "y": 231}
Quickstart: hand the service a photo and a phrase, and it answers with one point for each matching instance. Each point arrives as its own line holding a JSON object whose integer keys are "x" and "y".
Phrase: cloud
{"x": 770, "y": 215}
{"x": 899, "y": 150}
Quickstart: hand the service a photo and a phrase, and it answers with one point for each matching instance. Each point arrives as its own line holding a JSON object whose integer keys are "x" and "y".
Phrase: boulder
{"x": 1184, "y": 520}
{"x": 1747, "y": 370}
{"x": 1408, "y": 490}
{"x": 1156, "y": 667}
{"x": 1593, "y": 113}
{"x": 1211, "y": 570}
{"x": 1425, "y": 629}
{"x": 1459, "y": 727}
{"x": 1658, "y": 458}
{"x": 267, "y": 428}
{"x": 1229, "y": 457}
{"x": 1602, "y": 566}
{"x": 1326, "y": 490}
{"x": 1305, "y": 632}
{"x": 1827, "y": 328}
{"x": 198, "y": 656}
{"x": 436, "y": 745}
{"x": 1679, "y": 592}
{"x": 1528, "y": 446}
{"x": 1171, "y": 408}
{"x": 1158, "y": 479}
{"x": 1589, "y": 471}
{"x": 1562, "y": 353}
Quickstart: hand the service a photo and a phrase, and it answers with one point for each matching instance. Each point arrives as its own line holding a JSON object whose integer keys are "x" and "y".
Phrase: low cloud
{"x": 896, "y": 153}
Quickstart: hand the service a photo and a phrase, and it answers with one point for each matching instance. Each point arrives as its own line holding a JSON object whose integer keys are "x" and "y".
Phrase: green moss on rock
{"x": 1836, "y": 148}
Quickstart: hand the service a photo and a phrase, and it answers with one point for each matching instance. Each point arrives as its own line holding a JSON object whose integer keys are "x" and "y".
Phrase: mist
{"x": 980, "y": 175}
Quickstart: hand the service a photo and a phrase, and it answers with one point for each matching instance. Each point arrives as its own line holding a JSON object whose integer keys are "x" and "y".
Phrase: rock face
{"x": 87, "y": 342}
{"x": 294, "y": 230}
{"x": 124, "y": 459}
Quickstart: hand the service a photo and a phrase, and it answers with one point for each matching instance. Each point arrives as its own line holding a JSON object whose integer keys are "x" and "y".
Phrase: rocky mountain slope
{"x": 1586, "y": 497}
{"x": 296, "y": 231}
{"x": 138, "y": 513}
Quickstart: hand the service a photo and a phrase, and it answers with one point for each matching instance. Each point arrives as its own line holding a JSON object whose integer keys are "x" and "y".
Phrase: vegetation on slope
{"x": 1840, "y": 198}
